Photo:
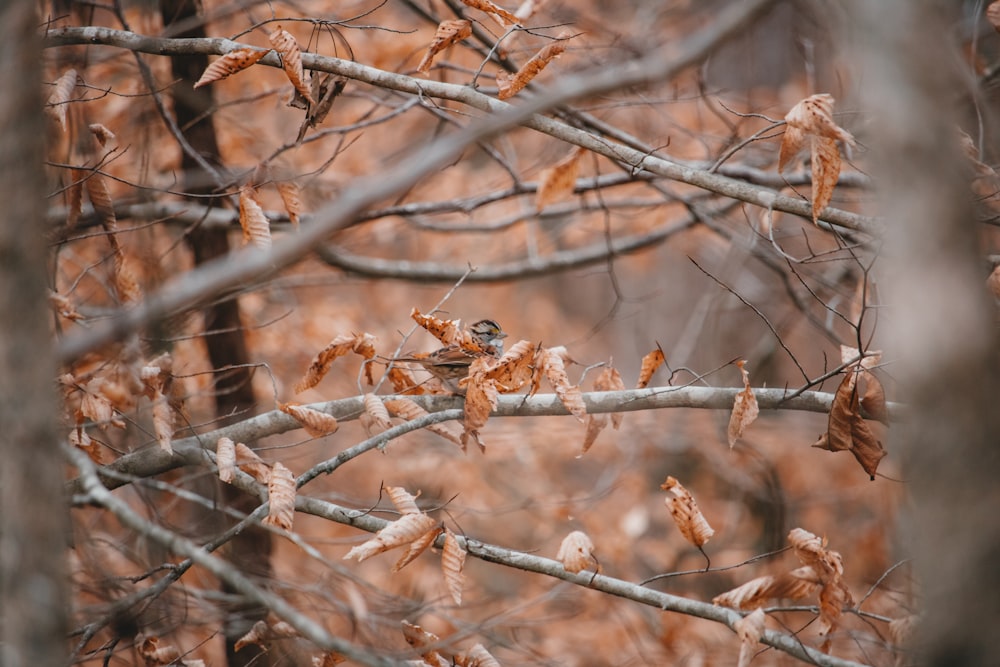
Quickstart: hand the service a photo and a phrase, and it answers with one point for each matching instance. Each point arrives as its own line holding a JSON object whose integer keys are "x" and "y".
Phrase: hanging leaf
{"x": 256, "y": 228}
{"x": 745, "y": 409}
{"x": 103, "y": 135}
{"x": 557, "y": 182}
{"x": 686, "y": 514}
{"x": 291, "y": 61}
{"x": 749, "y": 629}
{"x": 408, "y": 410}
{"x": 552, "y": 366}
{"x": 481, "y": 399}
{"x": 404, "y": 501}
{"x": 163, "y": 423}
{"x": 378, "y": 417}
{"x": 60, "y": 97}
{"x": 848, "y": 431}
{"x": 251, "y": 464}
{"x": 794, "y": 585}
{"x": 225, "y": 459}
{"x": 280, "y": 497}
{"x": 811, "y": 121}
{"x": 289, "y": 192}
{"x": 829, "y": 568}
{"x": 452, "y": 566}
{"x": 403, "y": 530}
{"x": 235, "y": 61}
{"x": 448, "y": 33}
{"x": 515, "y": 368}
{"x": 417, "y": 547}
{"x": 650, "y": 363}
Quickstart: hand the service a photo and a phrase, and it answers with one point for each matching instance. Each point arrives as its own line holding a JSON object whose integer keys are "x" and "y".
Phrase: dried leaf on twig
{"x": 448, "y": 33}
{"x": 235, "y": 61}
{"x": 745, "y": 409}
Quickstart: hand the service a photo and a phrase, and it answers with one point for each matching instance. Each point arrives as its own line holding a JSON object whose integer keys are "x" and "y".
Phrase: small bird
{"x": 450, "y": 364}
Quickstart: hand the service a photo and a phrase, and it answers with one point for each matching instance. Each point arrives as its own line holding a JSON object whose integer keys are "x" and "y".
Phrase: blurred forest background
{"x": 189, "y": 251}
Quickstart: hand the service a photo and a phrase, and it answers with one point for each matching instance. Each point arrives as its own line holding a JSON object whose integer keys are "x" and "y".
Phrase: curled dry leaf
{"x": 408, "y": 410}
{"x": 509, "y": 86}
{"x": 755, "y": 593}
{"x": 404, "y": 530}
{"x": 316, "y": 423}
{"x": 378, "y": 417}
{"x": 103, "y": 135}
{"x": 611, "y": 380}
{"x": 235, "y": 61}
{"x": 828, "y": 566}
{"x": 225, "y": 459}
{"x": 155, "y": 655}
{"x": 256, "y": 228}
{"x": 650, "y": 364}
{"x": 448, "y": 33}
{"x": 100, "y": 198}
{"x": 811, "y": 120}
{"x": 60, "y": 96}
{"x": 515, "y": 368}
{"x": 362, "y": 344}
{"x": 80, "y": 439}
{"x": 74, "y": 197}
{"x": 281, "y": 497}
{"x": 291, "y": 61}
{"x": 163, "y": 423}
{"x": 263, "y": 633}
{"x": 594, "y": 423}
{"x": 419, "y": 638}
{"x": 417, "y": 547}
{"x": 478, "y": 656}
{"x": 251, "y": 464}
{"x": 745, "y": 409}
{"x": 446, "y": 331}
{"x": 749, "y": 629}
{"x": 576, "y": 553}
{"x": 557, "y": 182}
{"x": 847, "y": 429}
{"x": 686, "y": 514}
{"x": 289, "y": 193}
{"x": 403, "y": 382}
{"x": 481, "y": 399}
{"x": 497, "y": 13}
{"x": 452, "y": 566}
{"x": 126, "y": 285}
{"x": 404, "y": 501}
{"x": 551, "y": 361}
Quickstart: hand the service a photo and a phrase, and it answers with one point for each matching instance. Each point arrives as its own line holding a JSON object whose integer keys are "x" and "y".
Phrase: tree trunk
{"x": 33, "y": 516}
{"x": 944, "y": 327}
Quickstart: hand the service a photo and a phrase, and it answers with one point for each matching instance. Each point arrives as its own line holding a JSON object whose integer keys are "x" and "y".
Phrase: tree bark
{"x": 943, "y": 326}
{"x": 33, "y": 516}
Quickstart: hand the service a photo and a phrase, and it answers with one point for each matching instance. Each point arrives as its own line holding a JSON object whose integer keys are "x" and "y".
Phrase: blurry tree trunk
{"x": 227, "y": 348}
{"x": 943, "y": 326}
{"x": 33, "y": 515}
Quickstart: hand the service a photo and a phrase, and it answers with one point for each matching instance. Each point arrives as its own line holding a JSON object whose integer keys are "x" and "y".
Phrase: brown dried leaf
{"x": 404, "y": 530}
{"x": 686, "y": 514}
{"x": 449, "y": 332}
{"x": 452, "y": 565}
{"x": 126, "y": 285}
{"x": 377, "y": 414}
{"x": 650, "y": 363}
{"x": 289, "y": 192}
{"x": 251, "y": 464}
{"x": 94, "y": 405}
{"x": 155, "y": 655}
{"x": 552, "y": 365}
{"x": 291, "y": 61}
{"x": 512, "y": 85}
{"x": 408, "y": 410}
{"x": 74, "y": 198}
{"x": 403, "y": 382}
{"x": 847, "y": 429}
{"x": 362, "y": 344}
{"x": 481, "y": 399}
{"x": 328, "y": 659}
{"x": 828, "y": 566}
{"x": 825, "y": 172}
{"x": 163, "y": 422}
{"x": 594, "y": 423}
{"x": 103, "y": 135}
{"x": 478, "y": 656}
{"x": 497, "y": 13}
{"x": 576, "y": 553}
{"x": 263, "y": 633}
{"x": 100, "y": 198}
{"x": 235, "y": 61}
{"x": 749, "y": 629}
{"x": 611, "y": 380}
{"x": 256, "y": 228}
{"x": 745, "y": 409}
{"x": 755, "y": 593}
{"x": 419, "y": 638}
{"x": 316, "y": 423}
{"x": 417, "y": 547}
{"x": 873, "y": 402}
{"x": 515, "y": 368}
{"x": 814, "y": 116}
{"x": 448, "y": 33}
{"x": 225, "y": 459}
{"x": 791, "y": 145}
{"x": 60, "y": 97}
{"x": 64, "y": 307}
{"x": 557, "y": 182}
{"x": 281, "y": 496}
{"x": 404, "y": 501}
